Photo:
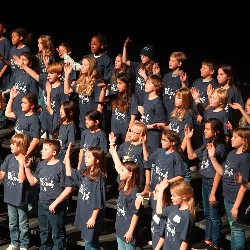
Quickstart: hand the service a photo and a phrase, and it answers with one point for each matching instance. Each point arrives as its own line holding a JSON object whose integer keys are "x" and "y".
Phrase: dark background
{"x": 205, "y": 30}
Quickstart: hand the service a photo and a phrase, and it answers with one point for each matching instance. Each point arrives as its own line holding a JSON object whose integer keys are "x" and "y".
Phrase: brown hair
{"x": 22, "y": 142}
{"x": 54, "y": 144}
{"x": 244, "y": 133}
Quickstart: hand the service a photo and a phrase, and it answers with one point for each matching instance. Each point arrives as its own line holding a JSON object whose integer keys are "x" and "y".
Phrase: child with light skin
{"x": 92, "y": 136}
{"x": 132, "y": 150}
{"x": 177, "y": 220}
{"x": 237, "y": 161}
{"x": 127, "y": 216}
{"x": 27, "y": 121}
{"x": 153, "y": 111}
{"x": 173, "y": 80}
{"x": 54, "y": 190}
{"x": 211, "y": 180}
{"x": 16, "y": 191}
{"x": 91, "y": 201}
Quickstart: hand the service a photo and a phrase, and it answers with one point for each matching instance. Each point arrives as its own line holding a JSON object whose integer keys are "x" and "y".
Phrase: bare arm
{"x": 124, "y": 52}
{"x": 32, "y": 145}
{"x": 9, "y": 109}
{"x": 32, "y": 180}
{"x": 67, "y": 71}
{"x": 159, "y": 244}
{"x": 48, "y": 106}
{"x": 80, "y": 158}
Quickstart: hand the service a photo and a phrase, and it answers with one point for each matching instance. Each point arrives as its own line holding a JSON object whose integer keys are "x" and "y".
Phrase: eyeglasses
{"x": 132, "y": 131}
{"x": 163, "y": 140}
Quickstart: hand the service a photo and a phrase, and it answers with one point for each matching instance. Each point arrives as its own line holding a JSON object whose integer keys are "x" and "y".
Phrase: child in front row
{"x": 91, "y": 201}
{"x": 16, "y": 191}
{"x": 54, "y": 191}
{"x": 177, "y": 220}
{"x": 127, "y": 216}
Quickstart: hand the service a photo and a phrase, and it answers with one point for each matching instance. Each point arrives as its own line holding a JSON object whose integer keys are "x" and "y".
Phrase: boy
{"x": 50, "y": 174}
{"x": 173, "y": 80}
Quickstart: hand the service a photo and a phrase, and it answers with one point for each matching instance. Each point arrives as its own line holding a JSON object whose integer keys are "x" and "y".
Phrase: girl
{"x": 166, "y": 162}
{"x": 153, "y": 111}
{"x": 91, "y": 96}
{"x": 124, "y": 108}
{"x": 65, "y": 131}
{"x": 182, "y": 113}
{"x": 141, "y": 70}
{"x": 91, "y": 201}
{"x": 211, "y": 180}
{"x": 244, "y": 121}
{"x": 46, "y": 52}
{"x": 23, "y": 82}
{"x": 226, "y": 81}
{"x": 127, "y": 216}
{"x": 237, "y": 161}
{"x": 177, "y": 220}
{"x": 92, "y": 136}
{"x": 132, "y": 150}
{"x": 27, "y": 121}
{"x": 16, "y": 192}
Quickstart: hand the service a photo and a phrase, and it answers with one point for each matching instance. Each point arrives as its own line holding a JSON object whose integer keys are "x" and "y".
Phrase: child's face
{"x": 39, "y": 44}
{"x": 25, "y": 105}
{"x": 165, "y": 143}
{"x": 155, "y": 192}
{"x": 205, "y": 71}
{"x": 149, "y": 86}
{"x": 47, "y": 152}
{"x": 89, "y": 123}
{"x": 13, "y": 148}
{"x": 247, "y": 106}
{"x": 144, "y": 59}
{"x": 61, "y": 51}
{"x": 214, "y": 100}
{"x": 222, "y": 77}
{"x": 95, "y": 45}
{"x": 134, "y": 134}
{"x": 208, "y": 132}
{"x": 85, "y": 66}
{"x": 178, "y": 100}
{"x": 125, "y": 174}
{"x": 118, "y": 62}
{"x": 15, "y": 38}
{"x": 25, "y": 60}
{"x": 121, "y": 86}
{"x": 176, "y": 199}
{"x": 62, "y": 112}
{"x": 173, "y": 63}
{"x": 89, "y": 159}
{"x": 236, "y": 141}
{"x": 53, "y": 77}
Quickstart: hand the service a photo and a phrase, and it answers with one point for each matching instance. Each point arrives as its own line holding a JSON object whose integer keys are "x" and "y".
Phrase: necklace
{"x": 127, "y": 157}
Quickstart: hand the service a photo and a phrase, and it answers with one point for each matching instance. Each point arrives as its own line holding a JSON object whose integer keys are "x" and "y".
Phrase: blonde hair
{"x": 22, "y": 142}
{"x": 223, "y": 96}
{"x": 180, "y": 56}
{"x": 183, "y": 188}
{"x": 55, "y": 67}
{"x": 85, "y": 87}
{"x": 187, "y": 104}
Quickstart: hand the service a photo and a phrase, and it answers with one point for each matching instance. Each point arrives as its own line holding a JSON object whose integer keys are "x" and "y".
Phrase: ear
{"x": 96, "y": 122}
{"x": 54, "y": 152}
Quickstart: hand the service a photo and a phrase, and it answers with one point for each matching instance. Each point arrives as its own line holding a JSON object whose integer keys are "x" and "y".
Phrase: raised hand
{"x": 188, "y": 132}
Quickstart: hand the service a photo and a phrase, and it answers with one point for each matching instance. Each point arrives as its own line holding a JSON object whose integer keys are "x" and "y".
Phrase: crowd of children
{"x": 152, "y": 125}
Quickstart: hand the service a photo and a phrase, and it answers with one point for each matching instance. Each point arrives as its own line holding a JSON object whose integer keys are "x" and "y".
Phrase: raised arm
{"x": 32, "y": 180}
{"x": 188, "y": 135}
{"x": 124, "y": 52}
{"x": 67, "y": 71}
{"x": 48, "y": 106}
{"x": 9, "y": 108}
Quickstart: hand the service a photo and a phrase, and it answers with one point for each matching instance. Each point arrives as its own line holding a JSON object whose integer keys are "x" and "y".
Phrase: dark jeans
{"x": 52, "y": 228}
{"x": 212, "y": 213}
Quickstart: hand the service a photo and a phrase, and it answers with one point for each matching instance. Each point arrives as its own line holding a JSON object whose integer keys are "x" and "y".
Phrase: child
{"x": 46, "y": 52}
{"x": 27, "y": 121}
{"x": 5, "y": 71}
{"x": 211, "y": 180}
{"x": 23, "y": 82}
{"x": 54, "y": 191}
{"x": 92, "y": 136}
{"x": 244, "y": 121}
{"x": 132, "y": 150}
{"x": 124, "y": 108}
{"x": 127, "y": 216}
{"x": 16, "y": 192}
{"x": 166, "y": 162}
{"x": 153, "y": 110}
{"x": 91, "y": 96}
{"x": 173, "y": 80}
{"x": 226, "y": 81}
{"x": 141, "y": 70}
{"x": 65, "y": 131}
{"x": 91, "y": 201}
{"x": 237, "y": 161}
{"x": 177, "y": 220}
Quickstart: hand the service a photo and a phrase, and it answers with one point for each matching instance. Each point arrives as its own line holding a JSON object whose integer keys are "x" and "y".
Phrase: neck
{"x": 152, "y": 95}
{"x": 29, "y": 113}
{"x": 52, "y": 160}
